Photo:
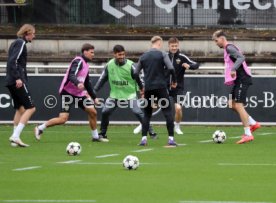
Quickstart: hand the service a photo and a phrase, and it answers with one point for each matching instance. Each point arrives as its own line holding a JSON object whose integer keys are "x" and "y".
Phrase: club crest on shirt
{"x": 178, "y": 61}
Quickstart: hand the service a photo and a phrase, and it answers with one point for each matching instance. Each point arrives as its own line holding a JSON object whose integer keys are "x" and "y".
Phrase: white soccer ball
{"x": 219, "y": 136}
{"x": 73, "y": 148}
{"x": 131, "y": 162}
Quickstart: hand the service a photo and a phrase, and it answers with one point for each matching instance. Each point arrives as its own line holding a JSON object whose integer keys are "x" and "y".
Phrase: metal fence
{"x": 96, "y": 70}
{"x": 172, "y": 13}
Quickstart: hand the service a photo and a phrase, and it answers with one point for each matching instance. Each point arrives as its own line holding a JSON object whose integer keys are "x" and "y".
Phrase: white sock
{"x": 95, "y": 134}
{"x": 177, "y": 125}
{"x": 171, "y": 138}
{"x": 247, "y": 131}
{"x": 42, "y": 126}
{"x": 251, "y": 121}
{"x": 18, "y": 130}
{"x": 144, "y": 138}
{"x": 14, "y": 127}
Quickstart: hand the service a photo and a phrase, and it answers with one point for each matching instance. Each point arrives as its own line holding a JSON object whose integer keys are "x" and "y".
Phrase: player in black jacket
{"x": 152, "y": 63}
{"x": 181, "y": 63}
{"x": 16, "y": 82}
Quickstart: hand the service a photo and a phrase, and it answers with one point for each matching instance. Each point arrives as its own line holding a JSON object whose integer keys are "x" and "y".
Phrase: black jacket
{"x": 16, "y": 64}
{"x": 154, "y": 64}
{"x": 178, "y": 59}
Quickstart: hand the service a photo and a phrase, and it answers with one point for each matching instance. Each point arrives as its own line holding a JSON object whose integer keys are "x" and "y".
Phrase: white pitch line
{"x": 45, "y": 200}
{"x": 234, "y": 137}
{"x": 246, "y": 164}
{"x": 142, "y": 150}
{"x": 69, "y": 162}
{"x": 205, "y": 141}
{"x": 181, "y": 144}
{"x": 265, "y": 134}
{"x": 107, "y": 163}
{"x": 257, "y": 134}
{"x": 27, "y": 168}
{"x": 97, "y": 163}
{"x": 106, "y": 155}
{"x": 219, "y": 202}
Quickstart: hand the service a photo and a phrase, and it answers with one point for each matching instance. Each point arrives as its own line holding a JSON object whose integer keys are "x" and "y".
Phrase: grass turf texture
{"x": 198, "y": 171}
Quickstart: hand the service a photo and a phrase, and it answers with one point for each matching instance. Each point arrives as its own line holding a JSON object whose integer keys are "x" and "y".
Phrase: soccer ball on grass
{"x": 73, "y": 148}
{"x": 219, "y": 136}
{"x": 131, "y": 162}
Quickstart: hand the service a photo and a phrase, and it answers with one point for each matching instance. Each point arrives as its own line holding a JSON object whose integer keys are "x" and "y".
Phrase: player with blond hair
{"x": 152, "y": 63}
{"x": 16, "y": 82}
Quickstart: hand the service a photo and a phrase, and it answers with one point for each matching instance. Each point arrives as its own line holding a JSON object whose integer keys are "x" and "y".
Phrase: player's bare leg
{"x": 178, "y": 118}
{"x": 19, "y": 112}
{"x": 21, "y": 118}
{"x": 92, "y": 118}
{"x": 61, "y": 119}
{"x": 26, "y": 115}
{"x": 247, "y": 136}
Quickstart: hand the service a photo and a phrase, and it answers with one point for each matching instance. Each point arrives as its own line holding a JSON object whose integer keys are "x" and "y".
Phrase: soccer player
{"x": 237, "y": 74}
{"x": 76, "y": 91}
{"x": 119, "y": 72}
{"x": 152, "y": 63}
{"x": 16, "y": 82}
{"x": 181, "y": 63}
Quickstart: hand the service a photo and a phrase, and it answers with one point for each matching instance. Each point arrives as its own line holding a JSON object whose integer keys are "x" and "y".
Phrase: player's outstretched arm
{"x": 101, "y": 81}
{"x": 187, "y": 63}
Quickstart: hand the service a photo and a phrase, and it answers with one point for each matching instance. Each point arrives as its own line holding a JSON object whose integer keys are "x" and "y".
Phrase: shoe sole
{"x": 13, "y": 143}
{"x": 170, "y": 146}
{"x": 142, "y": 145}
{"x": 98, "y": 140}
{"x": 245, "y": 142}
{"x": 36, "y": 137}
{"x": 101, "y": 140}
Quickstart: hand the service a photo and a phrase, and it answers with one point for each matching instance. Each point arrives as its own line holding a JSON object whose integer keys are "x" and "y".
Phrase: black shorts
{"x": 239, "y": 92}
{"x": 177, "y": 95}
{"x": 21, "y": 97}
{"x": 69, "y": 101}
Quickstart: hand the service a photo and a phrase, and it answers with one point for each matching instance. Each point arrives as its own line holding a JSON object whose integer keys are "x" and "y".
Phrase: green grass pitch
{"x": 197, "y": 171}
